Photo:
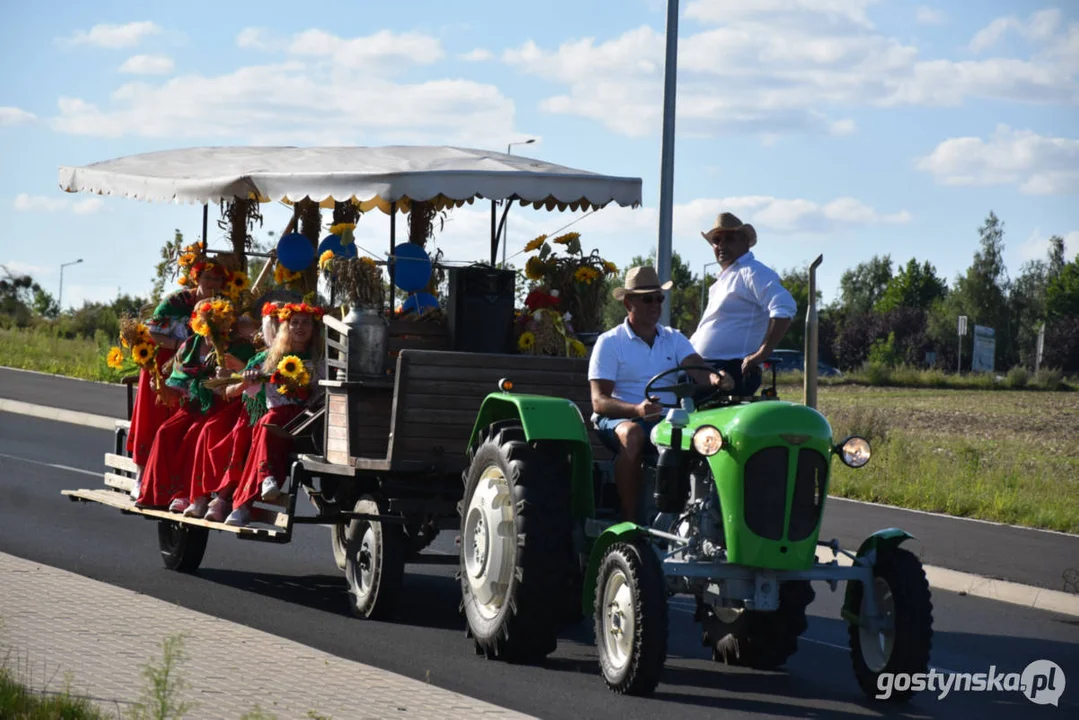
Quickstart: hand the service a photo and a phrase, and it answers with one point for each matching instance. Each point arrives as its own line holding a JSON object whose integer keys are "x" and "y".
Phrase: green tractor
{"x": 733, "y": 502}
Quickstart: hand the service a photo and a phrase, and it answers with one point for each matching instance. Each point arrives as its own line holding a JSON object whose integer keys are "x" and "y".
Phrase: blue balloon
{"x": 333, "y": 242}
{"x": 412, "y": 269}
{"x": 295, "y": 252}
{"x": 419, "y": 302}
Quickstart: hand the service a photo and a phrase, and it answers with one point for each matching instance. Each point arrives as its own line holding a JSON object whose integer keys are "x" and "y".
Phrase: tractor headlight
{"x": 707, "y": 440}
{"x": 854, "y": 451}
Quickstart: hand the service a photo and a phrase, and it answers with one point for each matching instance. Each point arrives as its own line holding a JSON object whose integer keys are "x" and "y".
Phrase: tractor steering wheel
{"x": 683, "y": 389}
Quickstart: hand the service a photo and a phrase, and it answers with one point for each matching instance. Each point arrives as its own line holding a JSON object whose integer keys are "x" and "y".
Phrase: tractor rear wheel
{"x": 516, "y": 543}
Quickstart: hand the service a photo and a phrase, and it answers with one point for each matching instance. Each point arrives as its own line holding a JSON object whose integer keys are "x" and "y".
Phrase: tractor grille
{"x": 808, "y": 494}
{"x": 765, "y": 492}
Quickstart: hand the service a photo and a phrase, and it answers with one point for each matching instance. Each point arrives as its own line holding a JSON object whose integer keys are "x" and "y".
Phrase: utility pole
{"x": 666, "y": 173}
{"x": 962, "y": 331}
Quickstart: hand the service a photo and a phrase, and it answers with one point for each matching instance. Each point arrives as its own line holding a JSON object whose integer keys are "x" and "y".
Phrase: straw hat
{"x": 641, "y": 281}
{"x": 729, "y": 222}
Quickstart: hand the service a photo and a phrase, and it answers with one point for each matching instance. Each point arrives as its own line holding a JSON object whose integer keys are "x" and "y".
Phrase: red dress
{"x": 148, "y": 413}
{"x": 268, "y": 456}
{"x": 215, "y": 431}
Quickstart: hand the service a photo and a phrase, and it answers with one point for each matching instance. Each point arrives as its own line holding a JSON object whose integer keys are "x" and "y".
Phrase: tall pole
{"x": 60, "y": 297}
{"x": 666, "y": 174}
{"x": 506, "y": 221}
{"x": 809, "y": 394}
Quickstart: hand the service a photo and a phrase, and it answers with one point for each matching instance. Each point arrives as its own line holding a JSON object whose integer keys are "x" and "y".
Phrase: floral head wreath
{"x": 290, "y": 309}
{"x": 271, "y": 309}
{"x": 193, "y": 262}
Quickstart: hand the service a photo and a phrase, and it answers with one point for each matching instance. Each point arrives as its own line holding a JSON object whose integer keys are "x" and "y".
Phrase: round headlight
{"x": 855, "y": 452}
{"x": 653, "y": 434}
{"x": 707, "y": 440}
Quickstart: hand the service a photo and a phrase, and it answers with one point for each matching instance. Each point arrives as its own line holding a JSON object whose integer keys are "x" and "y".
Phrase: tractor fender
{"x": 545, "y": 418}
{"x": 613, "y": 534}
{"x": 886, "y": 539}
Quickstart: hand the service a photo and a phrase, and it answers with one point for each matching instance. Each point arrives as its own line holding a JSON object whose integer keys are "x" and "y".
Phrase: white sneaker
{"x": 179, "y": 505}
{"x": 239, "y": 517}
{"x": 198, "y": 508}
{"x": 219, "y": 509}
{"x": 270, "y": 489}
{"x": 136, "y": 488}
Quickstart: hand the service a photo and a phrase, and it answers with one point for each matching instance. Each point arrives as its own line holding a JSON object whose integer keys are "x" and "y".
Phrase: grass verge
{"x": 72, "y": 357}
{"x": 18, "y": 703}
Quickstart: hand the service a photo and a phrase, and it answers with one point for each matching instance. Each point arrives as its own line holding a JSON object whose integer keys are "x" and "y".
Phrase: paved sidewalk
{"x": 56, "y": 622}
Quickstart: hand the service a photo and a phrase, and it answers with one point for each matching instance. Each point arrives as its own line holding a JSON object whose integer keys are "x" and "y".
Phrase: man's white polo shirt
{"x": 740, "y": 303}
{"x": 620, "y": 355}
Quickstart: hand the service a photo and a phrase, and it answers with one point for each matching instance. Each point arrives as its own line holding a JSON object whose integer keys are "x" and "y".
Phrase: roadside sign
{"x": 985, "y": 346}
{"x": 963, "y": 325}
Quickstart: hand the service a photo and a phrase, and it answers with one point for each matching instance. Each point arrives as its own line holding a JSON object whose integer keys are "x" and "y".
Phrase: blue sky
{"x": 846, "y": 128}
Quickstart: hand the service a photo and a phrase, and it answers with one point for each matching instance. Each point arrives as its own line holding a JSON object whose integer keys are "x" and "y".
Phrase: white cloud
{"x": 1039, "y": 165}
{"x": 477, "y": 55}
{"x": 321, "y": 91}
{"x": 15, "y": 116}
{"x": 782, "y": 66}
{"x": 256, "y": 39}
{"x": 115, "y": 36}
{"x": 42, "y": 203}
{"x": 17, "y": 267}
{"x": 1040, "y": 26}
{"x": 1036, "y": 246}
{"x": 147, "y": 65}
{"x": 928, "y": 16}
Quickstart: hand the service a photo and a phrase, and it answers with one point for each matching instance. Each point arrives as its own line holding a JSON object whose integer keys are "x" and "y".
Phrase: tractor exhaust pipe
{"x": 809, "y": 396}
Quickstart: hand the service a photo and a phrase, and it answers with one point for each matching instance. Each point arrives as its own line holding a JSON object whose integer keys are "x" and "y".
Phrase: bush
{"x": 1018, "y": 377}
{"x": 875, "y": 373}
{"x": 1050, "y": 378}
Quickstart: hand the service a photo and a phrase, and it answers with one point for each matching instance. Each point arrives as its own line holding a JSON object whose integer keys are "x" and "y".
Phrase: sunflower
{"x": 143, "y": 333}
{"x": 200, "y": 326}
{"x": 142, "y": 353}
{"x": 536, "y": 244}
{"x": 527, "y": 341}
{"x": 115, "y": 358}
{"x": 282, "y": 275}
{"x": 187, "y": 259}
{"x": 368, "y": 261}
{"x": 325, "y": 261}
{"x": 341, "y": 228}
{"x": 609, "y": 267}
{"x": 183, "y": 280}
{"x": 291, "y": 367}
{"x": 239, "y": 282}
{"x": 567, "y": 238}
{"x": 535, "y": 268}
{"x": 585, "y": 275}
{"x": 576, "y": 348}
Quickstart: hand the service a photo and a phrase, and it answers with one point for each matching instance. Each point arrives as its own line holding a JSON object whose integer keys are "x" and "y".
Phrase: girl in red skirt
{"x": 225, "y": 460}
{"x": 169, "y": 327}
{"x": 292, "y": 368}
{"x": 218, "y": 427}
{"x": 167, "y": 478}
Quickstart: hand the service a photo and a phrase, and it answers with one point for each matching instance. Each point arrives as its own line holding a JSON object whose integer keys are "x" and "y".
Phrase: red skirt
{"x": 214, "y": 431}
{"x": 268, "y": 456}
{"x": 227, "y": 458}
{"x": 147, "y": 414}
{"x": 169, "y": 468}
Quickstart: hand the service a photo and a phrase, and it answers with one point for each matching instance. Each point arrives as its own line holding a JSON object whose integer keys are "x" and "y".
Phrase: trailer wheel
{"x": 374, "y": 562}
{"x": 338, "y": 542}
{"x": 516, "y": 544}
{"x": 182, "y": 546}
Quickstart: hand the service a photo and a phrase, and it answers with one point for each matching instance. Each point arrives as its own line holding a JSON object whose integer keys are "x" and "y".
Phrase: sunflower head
{"x": 527, "y": 341}
{"x": 142, "y": 353}
{"x": 536, "y": 244}
{"x": 115, "y": 358}
{"x": 290, "y": 367}
{"x": 535, "y": 268}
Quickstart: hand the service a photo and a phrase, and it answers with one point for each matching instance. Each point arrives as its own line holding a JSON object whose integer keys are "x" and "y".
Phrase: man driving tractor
{"x": 623, "y": 360}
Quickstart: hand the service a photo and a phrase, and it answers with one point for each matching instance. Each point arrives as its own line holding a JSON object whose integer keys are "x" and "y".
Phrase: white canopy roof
{"x": 372, "y": 176}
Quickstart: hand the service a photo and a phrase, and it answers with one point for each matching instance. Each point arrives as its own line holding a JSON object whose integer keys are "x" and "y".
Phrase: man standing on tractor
{"x": 749, "y": 311}
{"x": 623, "y": 360}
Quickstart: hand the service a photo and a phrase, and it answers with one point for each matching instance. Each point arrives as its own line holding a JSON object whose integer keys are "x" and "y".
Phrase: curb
{"x": 939, "y": 578}
{"x": 989, "y": 588}
{"x": 101, "y": 422}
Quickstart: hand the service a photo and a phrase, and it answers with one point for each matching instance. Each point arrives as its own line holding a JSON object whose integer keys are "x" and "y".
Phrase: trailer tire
{"x": 182, "y": 546}
{"x": 338, "y": 542}
{"x": 516, "y": 543}
{"x": 374, "y": 562}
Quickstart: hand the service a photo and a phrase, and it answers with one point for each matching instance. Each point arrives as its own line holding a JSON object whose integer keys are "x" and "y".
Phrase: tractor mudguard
{"x": 621, "y": 531}
{"x": 551, "y": 419}
{"x": 886, "y": 539}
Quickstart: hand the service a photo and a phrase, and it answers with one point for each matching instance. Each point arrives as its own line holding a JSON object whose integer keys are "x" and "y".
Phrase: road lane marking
{"x": 17, "y": 407}
{"x": 52, "y": 465}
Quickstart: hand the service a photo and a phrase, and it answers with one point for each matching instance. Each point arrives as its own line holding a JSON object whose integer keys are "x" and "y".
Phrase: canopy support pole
{"x": 393, "y": 244}
{"x": 205, "y": 222}
{"x": 494, "y": 231}
{"x": 499, "y": 233}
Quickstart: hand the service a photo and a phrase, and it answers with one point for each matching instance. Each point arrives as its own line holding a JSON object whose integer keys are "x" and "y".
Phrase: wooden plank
{"x": 123, "y": 425}
{"x": 119, "y": 482}
{"x": 400, "y": 391}
{"x": 339, "y": 347}
{"x": 498, "y": 362}
{"x": 421, "y": 399}
{"x": 465, "y": 417}
{"x": 334, "y": 324}
{"x": 339, "y": 364}
{"x": 121, "y": 501}
{"x": 120, "y": 462}
{"x": 412, "y": 327}
{"x": 492, "y": 375}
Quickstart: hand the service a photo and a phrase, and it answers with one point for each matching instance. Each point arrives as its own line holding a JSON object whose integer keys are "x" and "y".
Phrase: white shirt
{"x": 623, "y": 357}
{"x": 740, "y": 303}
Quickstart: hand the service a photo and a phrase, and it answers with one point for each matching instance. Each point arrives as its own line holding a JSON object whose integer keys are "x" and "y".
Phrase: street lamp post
{"x": 666, "y": 170}
{"x": 60, "y": 298}
{"x": 505, "y": 222}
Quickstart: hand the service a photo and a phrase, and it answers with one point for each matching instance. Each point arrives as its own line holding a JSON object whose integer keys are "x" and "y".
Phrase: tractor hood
{"x": 748, "y": 427}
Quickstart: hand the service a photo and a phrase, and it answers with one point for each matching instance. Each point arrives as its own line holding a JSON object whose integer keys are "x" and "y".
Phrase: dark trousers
{"x": 743, "y": 386}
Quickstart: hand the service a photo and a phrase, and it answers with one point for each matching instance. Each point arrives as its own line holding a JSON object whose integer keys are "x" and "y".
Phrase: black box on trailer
{"x": 480, "y": 309}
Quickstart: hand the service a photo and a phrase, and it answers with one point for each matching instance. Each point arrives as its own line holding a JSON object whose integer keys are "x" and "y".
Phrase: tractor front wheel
{"x": 902, "y": 641}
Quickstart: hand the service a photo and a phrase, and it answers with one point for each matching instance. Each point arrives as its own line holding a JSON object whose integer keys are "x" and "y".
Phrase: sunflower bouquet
{"x": 547, "y": 332}
{"x": 213, "y": 321}
{"x": 292, "y": 378}
{"x": 559, "y": 268}
{"x": 137, "y": 349}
